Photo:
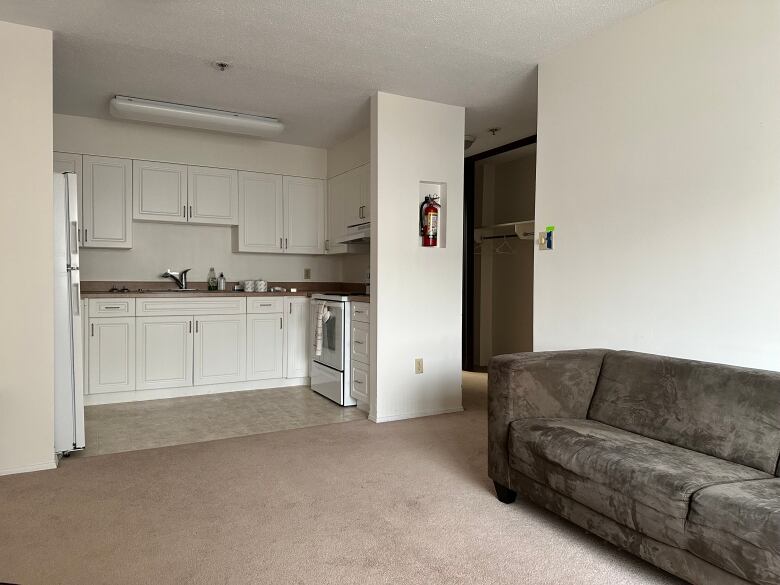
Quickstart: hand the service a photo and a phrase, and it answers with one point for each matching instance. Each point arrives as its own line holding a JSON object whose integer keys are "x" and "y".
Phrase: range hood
{"x": 356, "y": 234}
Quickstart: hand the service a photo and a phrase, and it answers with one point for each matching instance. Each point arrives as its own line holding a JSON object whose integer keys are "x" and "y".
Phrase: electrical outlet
{"x": 307, "y": 274}
{"x": 418, "y": 366}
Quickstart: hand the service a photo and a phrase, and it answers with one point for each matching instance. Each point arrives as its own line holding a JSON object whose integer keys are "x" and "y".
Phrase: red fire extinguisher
{"x": 429, "y": 221}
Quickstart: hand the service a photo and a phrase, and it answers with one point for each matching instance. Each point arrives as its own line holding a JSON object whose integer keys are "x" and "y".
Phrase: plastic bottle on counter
{"x": 221, "y": 282}
{"x": 212, "y": 278}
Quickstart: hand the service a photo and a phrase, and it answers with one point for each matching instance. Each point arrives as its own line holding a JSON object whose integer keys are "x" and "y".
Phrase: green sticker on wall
{"x": 550, "y": 228}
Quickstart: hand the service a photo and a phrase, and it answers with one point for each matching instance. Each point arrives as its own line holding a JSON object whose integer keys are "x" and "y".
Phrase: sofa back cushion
{"x": 724, "y": 411}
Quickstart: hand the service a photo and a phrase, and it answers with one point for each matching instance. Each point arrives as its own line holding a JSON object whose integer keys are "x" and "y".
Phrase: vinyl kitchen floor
{"x": 130, "y": 426}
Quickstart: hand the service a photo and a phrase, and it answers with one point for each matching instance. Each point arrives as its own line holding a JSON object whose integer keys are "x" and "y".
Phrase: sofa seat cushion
{"x": 736, "y": 526}
{"x": 658, "y": 475}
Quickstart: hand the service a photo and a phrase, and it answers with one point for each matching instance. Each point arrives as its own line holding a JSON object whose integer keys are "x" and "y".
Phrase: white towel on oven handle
{"x": 322, "y": 317}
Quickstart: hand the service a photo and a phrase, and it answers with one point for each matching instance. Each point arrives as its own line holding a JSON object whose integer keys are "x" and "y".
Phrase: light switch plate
{"x": 418, "y": 366}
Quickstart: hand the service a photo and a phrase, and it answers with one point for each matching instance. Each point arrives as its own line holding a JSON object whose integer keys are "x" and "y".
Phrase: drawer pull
{"x": 265, "y": 305}
{"x": 357, "y": 342}
{"x": 359, "y": 382}
{"x": 112, "y": 307}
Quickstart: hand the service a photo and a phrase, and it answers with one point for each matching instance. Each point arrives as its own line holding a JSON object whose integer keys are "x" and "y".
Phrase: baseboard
{"x": 28, "y": 468}
{"x": 418, "y": 414}
{"x": 162, "y": 393}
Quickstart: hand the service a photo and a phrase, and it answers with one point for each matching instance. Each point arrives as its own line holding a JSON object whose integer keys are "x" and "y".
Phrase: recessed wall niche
{"x": 438, "y": 190}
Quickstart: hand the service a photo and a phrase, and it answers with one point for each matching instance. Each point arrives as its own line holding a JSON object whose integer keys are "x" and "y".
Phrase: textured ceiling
{"x": 314, "y": 64}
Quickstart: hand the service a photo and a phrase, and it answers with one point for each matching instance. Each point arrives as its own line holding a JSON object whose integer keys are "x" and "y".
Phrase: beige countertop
{"x": 190, "y": 293}
{"x": 360, "y": 298}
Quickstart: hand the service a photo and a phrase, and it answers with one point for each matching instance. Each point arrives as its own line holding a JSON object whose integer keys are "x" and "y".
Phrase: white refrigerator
{"x": 68, "y": 380}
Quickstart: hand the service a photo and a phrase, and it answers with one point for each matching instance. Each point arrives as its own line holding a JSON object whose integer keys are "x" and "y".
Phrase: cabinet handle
{"x": 280, "y": 244}
{"x": 112, "y": 307}
{"x": 92, "y": 329}
{"x": 196, "y": 326}
{"x": 264, "y": 305}
{"x": 358, "y": 382}
{"x": 85, "y": 235}
{"x": 285, "y": 244}
{"x": 190, "y": 326}
{"x": 79, "y": 235}
{"x": 184, "y": 211}
{"x": 358, "y": 342}
{"x": 190, "y": 211}
{"x": 280, "y": 322}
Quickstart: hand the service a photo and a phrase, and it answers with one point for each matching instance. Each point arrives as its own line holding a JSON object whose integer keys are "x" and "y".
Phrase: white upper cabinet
{"x": 337, "y": 218}
{"x": 364, "y": 185}
{"x": 159, "y": 191}
{"x": 107, "y": 202}
{"x": 213, "y": 196}
{"x": 66, "y": 162}
{"x": 353, "y": 209}
{"x": 304, "y": 215}
{"x": 261, "y": 213}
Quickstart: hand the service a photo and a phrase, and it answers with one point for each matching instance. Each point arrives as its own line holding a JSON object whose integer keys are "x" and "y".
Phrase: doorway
{"x": 499, "y": 230}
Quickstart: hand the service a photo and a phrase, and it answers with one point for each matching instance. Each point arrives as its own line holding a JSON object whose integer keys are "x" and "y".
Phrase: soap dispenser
{"x": 221, "y": 283}
{"x": 212, "y": 279}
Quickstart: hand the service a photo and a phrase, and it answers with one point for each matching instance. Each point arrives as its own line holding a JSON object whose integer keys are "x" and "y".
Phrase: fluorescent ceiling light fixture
{"x": 141, "y": 110}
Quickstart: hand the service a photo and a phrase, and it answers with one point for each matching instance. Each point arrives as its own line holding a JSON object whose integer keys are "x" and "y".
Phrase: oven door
{"x": 332, "y": 335}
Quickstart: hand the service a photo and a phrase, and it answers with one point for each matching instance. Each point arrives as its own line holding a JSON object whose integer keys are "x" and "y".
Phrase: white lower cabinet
{"x": 297, "y": 337}
{"x": 264, "y": 346}
{"x": 111, "y": 359}
{"x": 359, "y": 390}
{"x": 163, "y": 352}
{"x": 220, "y": 349}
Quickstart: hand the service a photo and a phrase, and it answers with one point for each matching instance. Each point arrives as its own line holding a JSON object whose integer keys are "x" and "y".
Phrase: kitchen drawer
{"x": 265, "y": 305}
{"x": 360, "y": 383}
{"x": 189, "y": 306}
{"x": 361, "y": 312}
{"x": 360, "y": 347}
{"x": 123, "y": 307}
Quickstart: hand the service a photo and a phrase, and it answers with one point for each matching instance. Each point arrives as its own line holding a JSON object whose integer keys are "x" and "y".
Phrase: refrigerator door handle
{"x": 74, "y": 237}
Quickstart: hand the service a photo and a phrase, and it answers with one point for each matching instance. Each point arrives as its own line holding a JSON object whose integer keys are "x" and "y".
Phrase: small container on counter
{"x": 221, "y": 282}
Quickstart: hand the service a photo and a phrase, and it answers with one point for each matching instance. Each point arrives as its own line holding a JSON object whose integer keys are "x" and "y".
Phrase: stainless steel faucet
{"x": 180, "y": 278}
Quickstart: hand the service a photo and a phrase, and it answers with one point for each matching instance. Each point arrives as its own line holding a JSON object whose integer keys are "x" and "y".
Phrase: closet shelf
{"x": 523, "y": 230}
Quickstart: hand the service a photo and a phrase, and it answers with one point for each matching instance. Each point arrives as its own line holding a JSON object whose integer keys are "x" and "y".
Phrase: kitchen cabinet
{"x": 159, "y": 191}
{"x": 66, "y": 162}
{"x": 348, "y": 205}
{"x": 364, "y": 202}
{"x": 163, "y": 352}
{"x": 111, "y": 347}
{"x": 261, "y": 213}
{"x": 296, "y": 332}
{"x": 304, "y": 215}
{"x": 264, "y": 346}
{"x": 220, "y": 349}
{"x": 107, "y": 202}
{"x": 361, "y": 352}
{"x": 337, "y": 214}
{"x": 213, "y": 195}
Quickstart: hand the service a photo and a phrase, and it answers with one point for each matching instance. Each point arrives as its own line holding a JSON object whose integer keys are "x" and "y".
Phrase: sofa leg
{"x": 504, "y": 494}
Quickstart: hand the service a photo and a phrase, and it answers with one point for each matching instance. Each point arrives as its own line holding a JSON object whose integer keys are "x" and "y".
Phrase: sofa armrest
{"x": 551, "y": 384}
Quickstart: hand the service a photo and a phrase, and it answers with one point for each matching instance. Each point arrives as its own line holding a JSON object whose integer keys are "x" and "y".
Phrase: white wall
{"x": 26, "y": 219}
{"x": 418, "y": 290}
{"x": 659, "y": 165}
{"x": 157, "y": 246}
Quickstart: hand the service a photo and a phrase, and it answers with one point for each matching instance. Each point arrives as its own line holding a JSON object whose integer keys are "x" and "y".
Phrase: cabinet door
{"x": 364, "y": 186}
{"x": 360, "y": 385}
{"x": 297, "y": 337}
{"x": 352, "y": 198}
{"x": 264, "y": 346}
{"x": 107, "y": 202}
{"x": 260, "y": 213}
{"x": 304, "y": 215}
{"x": 66, "y": 162}
{"x": 213, "y": 196}
{"x": 111, "y": 354}
{"x": 360, "y": 348}
{"x": 163, "y": 356}
{"x": 159, "y": 191}
{"x": 220, "y": 349}
{"x": 337, "y": 224}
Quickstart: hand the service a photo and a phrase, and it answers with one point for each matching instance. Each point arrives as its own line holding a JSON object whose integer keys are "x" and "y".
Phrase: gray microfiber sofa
{"x": 673, "y": 460}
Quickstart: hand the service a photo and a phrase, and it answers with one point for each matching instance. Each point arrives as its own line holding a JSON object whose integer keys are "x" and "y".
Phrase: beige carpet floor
{"x": 349, "y": 503}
